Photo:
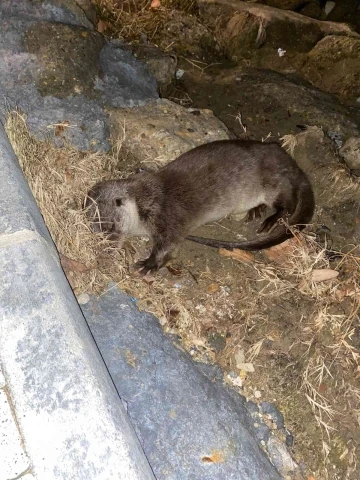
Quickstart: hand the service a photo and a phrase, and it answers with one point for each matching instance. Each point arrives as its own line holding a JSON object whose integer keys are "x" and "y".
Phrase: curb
{"x": 68, "y": 413}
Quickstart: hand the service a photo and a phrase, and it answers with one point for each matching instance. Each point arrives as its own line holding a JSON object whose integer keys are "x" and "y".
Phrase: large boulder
{"x": 263, "y": 102}
{"x": 160, "y": 131}
{"x": 186, "y": 35}
{"x": 334, "y": 65}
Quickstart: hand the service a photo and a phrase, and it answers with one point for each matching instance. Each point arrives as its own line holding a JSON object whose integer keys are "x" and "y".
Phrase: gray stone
{"x": 161, "y": 64}
{"x": 190, "y": 426}
{"x": 126, "y": 81}
{"x": 64, "y": 11}
{"x": 351, "y": 153}
{"x": 281, "y": 458}
{"x": 273, "y": 412}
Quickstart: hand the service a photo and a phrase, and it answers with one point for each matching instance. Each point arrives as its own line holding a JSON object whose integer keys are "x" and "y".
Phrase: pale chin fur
{"x": 132, "y": 225}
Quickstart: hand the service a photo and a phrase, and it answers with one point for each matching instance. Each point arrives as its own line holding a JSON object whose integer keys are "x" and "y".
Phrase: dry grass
{"x": 131, "y": 20}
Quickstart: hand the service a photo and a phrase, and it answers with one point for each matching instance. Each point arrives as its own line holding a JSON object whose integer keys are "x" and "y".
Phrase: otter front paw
{"x": 148, "y": 265}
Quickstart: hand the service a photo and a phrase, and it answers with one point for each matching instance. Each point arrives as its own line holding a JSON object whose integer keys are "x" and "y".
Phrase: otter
{"x": 205, "y": 184}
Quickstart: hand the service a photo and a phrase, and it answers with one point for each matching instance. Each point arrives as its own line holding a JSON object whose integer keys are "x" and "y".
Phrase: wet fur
{"x": 205, "y": 184}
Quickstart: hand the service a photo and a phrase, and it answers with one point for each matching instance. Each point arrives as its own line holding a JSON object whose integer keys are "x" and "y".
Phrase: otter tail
{"x": 302, "y": 215}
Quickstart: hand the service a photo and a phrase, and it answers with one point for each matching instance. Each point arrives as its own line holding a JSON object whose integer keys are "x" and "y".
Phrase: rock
{"x": 273, "y": 412}
{"x": 186, "y": 36}
{"x": 243, "y": 27}
{"x": 328, "y": 8}
{"x": 345, "y": 11}
{"x": 351, "y": 153}
{"x": 79, "y": 12}
{"x": 310, "y": 8}
{"x": 281, "y": 458}
{"x": 285, "y": 4}
{"x": 88, "y": 8}
{"x": 161, "y": 64}
{"x": 62, "y": 75}
{"x": 64, "y": 65}
{"x": 161, "y": 130}
{"x": 334, "y": 65}
{"x": 217, "y": 341}
{"x": 332, "y": 184}
{"x": 268, "y": 102}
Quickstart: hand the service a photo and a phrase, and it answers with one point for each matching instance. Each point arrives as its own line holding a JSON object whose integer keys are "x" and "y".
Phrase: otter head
{"x": 112, "y": 209}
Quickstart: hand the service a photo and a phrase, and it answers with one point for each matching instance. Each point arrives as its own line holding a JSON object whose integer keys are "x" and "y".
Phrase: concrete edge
{"x": 68, "y": 412}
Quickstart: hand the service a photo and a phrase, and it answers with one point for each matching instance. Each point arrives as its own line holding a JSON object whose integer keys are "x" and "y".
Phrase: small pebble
{"x": 257, "y": 394}
{"x": 179, "y": 73}
{"x": 289, "y": 439}
{"x": 275, "y": 415}
{"x": 83, "y": 299}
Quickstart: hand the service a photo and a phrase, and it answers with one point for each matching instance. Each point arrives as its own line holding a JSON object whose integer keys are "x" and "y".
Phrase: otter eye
{"x": 118, "y": 202}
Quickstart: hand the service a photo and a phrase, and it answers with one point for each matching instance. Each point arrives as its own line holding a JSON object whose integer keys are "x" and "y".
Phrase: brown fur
{"x": 203, "y": 185}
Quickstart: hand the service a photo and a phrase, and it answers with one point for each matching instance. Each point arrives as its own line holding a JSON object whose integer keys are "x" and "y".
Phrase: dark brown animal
{"x": 203, "y": 185}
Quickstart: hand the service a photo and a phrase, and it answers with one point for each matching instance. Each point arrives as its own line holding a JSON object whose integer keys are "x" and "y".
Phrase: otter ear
{"x": 118, "y": 202}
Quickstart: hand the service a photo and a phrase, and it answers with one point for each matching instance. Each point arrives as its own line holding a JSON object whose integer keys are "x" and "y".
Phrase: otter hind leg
{"x": 255, "y": 212}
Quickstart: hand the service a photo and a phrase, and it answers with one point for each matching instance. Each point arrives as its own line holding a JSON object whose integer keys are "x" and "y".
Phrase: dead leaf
{"x": 246, "y": 367}
{"x": 215, "y": 457}
{"x": 70, "y": 265}
{"x": 243, "y": 375}
{"x": 240, "y": 255}
{"x": 61, "y": 127}
{"x": 282, "y": 253}
{"x": 213, "y": 288}
{"x": 101, "y": 26}
{"x": 237, "y": 381}
{"x": 347, "y": 291}
{"x": 155, "y": 4}
{"x": 148, "y": 278}
{"x": 69, "y": 177}
{"x": 239, "y": 357}
{"x": 323, "y": 274}
{"x": 322, "y": 388}
{"x": 177, "y": 272}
